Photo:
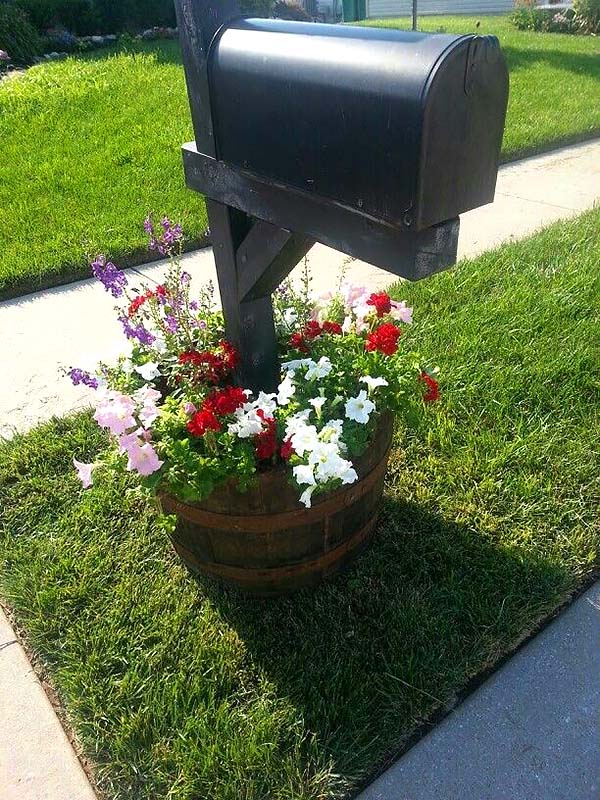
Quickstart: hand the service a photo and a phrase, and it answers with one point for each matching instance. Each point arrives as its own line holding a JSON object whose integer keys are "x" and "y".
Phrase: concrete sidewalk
{"x": 528, "y": 733}
{"x": 75, "y": 325}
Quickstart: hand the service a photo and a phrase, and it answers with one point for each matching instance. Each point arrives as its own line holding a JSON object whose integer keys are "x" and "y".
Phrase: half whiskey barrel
{"x": 265, "y": 542}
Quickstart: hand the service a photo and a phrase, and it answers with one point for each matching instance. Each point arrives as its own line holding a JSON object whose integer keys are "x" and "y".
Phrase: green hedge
{"x": 18, "y": 37}
{"x": 84, "y": 17}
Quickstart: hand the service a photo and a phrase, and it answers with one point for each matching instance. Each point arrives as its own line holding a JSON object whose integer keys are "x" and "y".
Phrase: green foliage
{"x": 84, "y": 17}
{"x": 77, "y": 16}
{"x": 179, "y": 689}
{"x": 259, "y": 8}
{"x": 18, "y": 37}
{"x": 529, "y": 18}
{"x": 289, "y": 9}
{"x": 588, "y": 14}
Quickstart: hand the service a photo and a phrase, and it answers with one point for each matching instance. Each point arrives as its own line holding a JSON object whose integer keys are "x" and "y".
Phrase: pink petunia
{"x": 84, "y": 472}
{"x": 402, "y": 312}
{"x": 143, "y": 460}
{"x": 115, "y": 412}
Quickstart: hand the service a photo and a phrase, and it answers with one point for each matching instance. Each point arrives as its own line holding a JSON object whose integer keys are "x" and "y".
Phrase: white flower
{"x": 317, "y": 404}
{"x": 290, "y": 316}
{"x": 306, "y": 496}
{"x": 160, "y": 345}
{"x": 297, "y": 363}
{"x": 296, "y": 422}
{"x": 304, "y": 473}
{"x": 248, "y": 423}
{"x": 329, "y": 464}
{"x": 373, "y": 383}
{"x": 402, "y": 312}
{"x": 305, "y": 439}
{"x": 148, "y": 371}
{"x": 347, "y": 324}
{"x": 332, "y": 433}
{"x": 146, "y": 395}
{"x": 359, "y": 408}
{"x": 266, "y": 402}
{"x": 285, "y": 390}
{"x": 319, "y": 370}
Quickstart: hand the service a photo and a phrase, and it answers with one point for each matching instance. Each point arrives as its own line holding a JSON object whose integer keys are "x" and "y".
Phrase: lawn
{"x": 88, "y": 146}
{"x": 554, "y": 81}
{"x": 178, "y": 689}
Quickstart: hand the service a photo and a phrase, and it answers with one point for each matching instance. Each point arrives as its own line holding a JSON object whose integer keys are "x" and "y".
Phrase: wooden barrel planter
{"x": 265, "y": 542}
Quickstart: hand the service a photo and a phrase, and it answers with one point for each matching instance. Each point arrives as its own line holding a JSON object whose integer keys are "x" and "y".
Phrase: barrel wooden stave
{"x": 265, "y": 542}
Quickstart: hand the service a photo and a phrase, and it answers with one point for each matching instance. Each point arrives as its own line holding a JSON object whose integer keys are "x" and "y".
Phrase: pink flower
{"x": 189, "y": 409}
{"x": 84, "y": 473}
{"x": 115, "y": 412}
{"x": 143, "y": 460}
{"x": 402, "y": 312}
{"x": 147, "y": 414}
{"x": 129, "y": 441}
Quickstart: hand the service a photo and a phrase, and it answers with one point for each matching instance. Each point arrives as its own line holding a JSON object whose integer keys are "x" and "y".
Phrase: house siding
{"x": 403, "y": 8}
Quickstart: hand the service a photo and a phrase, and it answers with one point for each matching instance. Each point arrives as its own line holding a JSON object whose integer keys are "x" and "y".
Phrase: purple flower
{"x": 171, "y": 323}
{"x": 164, "y": 243}
{"x": 81, "y": 376}
{"x": 136, "y": 331}
{"x": 112, "y": 278}
{"x": 185, "y": 277}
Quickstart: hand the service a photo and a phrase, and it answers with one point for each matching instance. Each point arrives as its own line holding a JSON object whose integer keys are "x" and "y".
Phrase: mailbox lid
{"x": 333, "y": 110}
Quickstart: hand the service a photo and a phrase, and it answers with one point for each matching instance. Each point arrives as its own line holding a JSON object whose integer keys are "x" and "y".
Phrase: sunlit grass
{"x": 181, "y": 690}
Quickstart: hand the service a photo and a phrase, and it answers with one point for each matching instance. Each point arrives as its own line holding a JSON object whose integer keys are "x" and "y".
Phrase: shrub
{"x": 77, "y": 16}
{"x": 528, "y": 18}
{"x": 18, "y": 37}
{"x": 587, "y": 15}
{"x": 259, "y": 8}
{"x": 288, "y": 9}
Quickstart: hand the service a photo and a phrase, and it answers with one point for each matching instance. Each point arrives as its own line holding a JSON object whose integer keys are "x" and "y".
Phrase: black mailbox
{"x": 370, "y": 141}
{"x": 405, "y": 127}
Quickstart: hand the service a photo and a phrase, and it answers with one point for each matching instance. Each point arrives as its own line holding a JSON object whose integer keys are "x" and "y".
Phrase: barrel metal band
{"x": 257, "y": 523}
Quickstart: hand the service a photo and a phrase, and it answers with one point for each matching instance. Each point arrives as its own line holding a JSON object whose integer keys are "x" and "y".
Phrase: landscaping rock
{"x": 97, "y": 40}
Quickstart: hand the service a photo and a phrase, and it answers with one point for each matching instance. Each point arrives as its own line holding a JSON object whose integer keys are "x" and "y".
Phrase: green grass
{"x": 180, "y": 690}
{"x": 554, "y": 81}
{"x": 88, "y": 146}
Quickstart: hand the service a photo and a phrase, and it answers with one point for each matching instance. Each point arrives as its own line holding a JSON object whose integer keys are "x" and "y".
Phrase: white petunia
{"x": 305, "y": 439}
{"x": 319, "y": 370}
{"x": 373, "y": 383}
{"x": 332, "y": 432}
{"x": 297, "y": 363}
{"x": 401, "y": 311}
{"x": 290, "y": 316}
{"x": 148, "y": 371}
{"x": 285, "y": 390}
{"x": 306, "y": 496}
{"x": 317, "y": 403}
{"x": 248, "y": 423}
{"x": 304, "y": 473}
{"x": 296, "y": 422}
{"x": 359, "y": 408}
{"x": 266, "y": 402}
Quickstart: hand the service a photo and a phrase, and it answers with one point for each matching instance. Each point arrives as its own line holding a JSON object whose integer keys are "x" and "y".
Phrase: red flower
{"x": 160, "y": 290}
{"x": 225, "y": 401}
{"x": 384, "y": 339}
{"x": 265, "y": 442}
{"x": 137, "y": 302}
{"x": 332, "y": 327}
{"x": 382, "y": 303}
{"x": 312, "y": 329}
{"x": 203, "y": 421}
{"x": 298, "y": 342}
{"x": 433, "y": 388}
{"x": 286, "y": 451}
{"x": 211, "y": 367}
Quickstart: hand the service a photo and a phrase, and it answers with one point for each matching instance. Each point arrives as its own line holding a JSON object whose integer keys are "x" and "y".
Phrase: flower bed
{"x": 180, "y": 421}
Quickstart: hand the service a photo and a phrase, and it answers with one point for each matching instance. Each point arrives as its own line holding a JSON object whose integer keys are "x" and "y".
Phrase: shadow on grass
{"x": 579, "y": 63}
{"x": 374, "y": 652}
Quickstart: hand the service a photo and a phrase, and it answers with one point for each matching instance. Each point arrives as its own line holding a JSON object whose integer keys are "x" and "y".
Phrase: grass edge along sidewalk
{"x": 108, "y": 127}
{"x": 178, "y": 688}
